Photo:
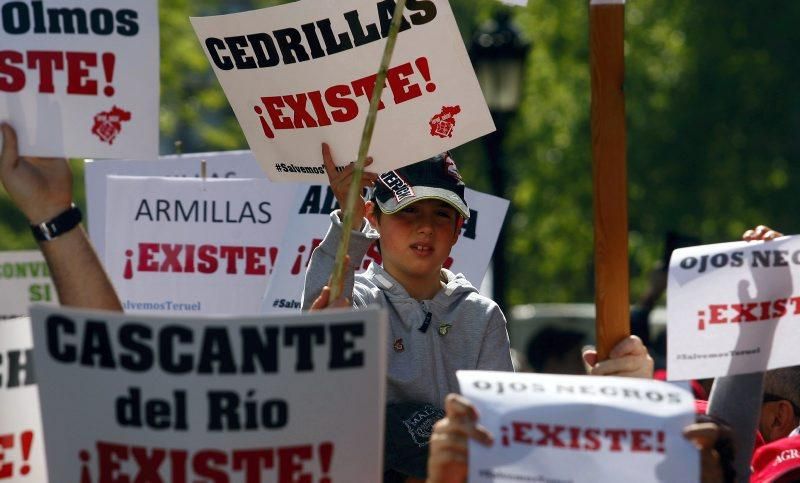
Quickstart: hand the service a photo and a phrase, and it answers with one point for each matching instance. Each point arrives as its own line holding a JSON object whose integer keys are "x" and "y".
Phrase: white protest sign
{"x": 302, "y": 73}
{"x": 732, "y": 308}
{"x": 211, "y": 399}
{"x": 551, "y": 427}
{"x": 79, "y": 78}
{"x": 193, "y": 245}
{"x": 309, "y": 222}
{"x": 21, "y": 438}
{"x": 226, "y": 164}
{"x": 24, "y": 279}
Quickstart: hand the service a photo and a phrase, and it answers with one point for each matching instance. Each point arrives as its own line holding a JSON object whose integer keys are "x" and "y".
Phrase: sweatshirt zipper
{"x": 426, "y": 323}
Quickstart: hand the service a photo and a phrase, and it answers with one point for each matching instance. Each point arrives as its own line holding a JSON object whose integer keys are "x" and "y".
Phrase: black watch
{"x": 64, "y": 222}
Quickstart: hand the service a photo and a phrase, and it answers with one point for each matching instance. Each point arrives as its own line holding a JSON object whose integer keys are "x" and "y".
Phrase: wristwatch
{"x": 62, "y": 223}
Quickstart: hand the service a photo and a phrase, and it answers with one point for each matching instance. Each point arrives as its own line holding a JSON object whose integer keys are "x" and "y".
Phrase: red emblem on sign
{"x": 107, "y": 124}
{"x": 442, "y": 124}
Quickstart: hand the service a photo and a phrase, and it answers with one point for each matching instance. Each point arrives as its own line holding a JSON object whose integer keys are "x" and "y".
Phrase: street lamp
{"x": 498, "y": 54}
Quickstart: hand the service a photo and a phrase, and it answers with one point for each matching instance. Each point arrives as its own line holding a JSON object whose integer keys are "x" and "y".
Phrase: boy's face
{"x": 417, "y": 240}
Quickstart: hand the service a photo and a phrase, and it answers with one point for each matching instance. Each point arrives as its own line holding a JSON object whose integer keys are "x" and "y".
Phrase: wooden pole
{"x": 606, "y": 33}
{"x": 337, "y": 277}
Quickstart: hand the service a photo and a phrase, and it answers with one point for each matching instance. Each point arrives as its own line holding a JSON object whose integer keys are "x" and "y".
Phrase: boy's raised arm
{"x": 42, "y": 189}
{"x": 322, "y": 260}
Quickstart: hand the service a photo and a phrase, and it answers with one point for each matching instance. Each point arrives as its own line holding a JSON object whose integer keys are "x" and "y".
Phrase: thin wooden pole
{"x": 607, "y": 30}
{"x": 337, "y": 277}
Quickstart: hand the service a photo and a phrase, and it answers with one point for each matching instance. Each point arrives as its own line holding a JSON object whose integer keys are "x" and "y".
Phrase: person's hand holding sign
{"x": 40, "y": 187}
{"x": 629, "y": 358}
{"x": 449, "y": 444}
{"x": 761, "y": 232}
{"x": 340, "y": 180}
{"x": 324, "y": 300}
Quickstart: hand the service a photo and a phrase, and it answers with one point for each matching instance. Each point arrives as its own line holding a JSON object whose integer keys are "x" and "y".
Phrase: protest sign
{"x": 218, "y": 399}
{"x": 732, "y": 308}
{"x": 226, "y": 164}
{"x": 24, "y": 279}
{"x": 21, "y": 438}
{"x": 193, "y": 245}
{"x": 79, "y": 78}
{"x": 310, "y": 220}
{"x": 551, "y": 427}
{"x": 300, "y": 74}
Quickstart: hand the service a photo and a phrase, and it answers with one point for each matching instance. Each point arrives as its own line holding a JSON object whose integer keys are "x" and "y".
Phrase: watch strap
{"x": 62, "y": 223}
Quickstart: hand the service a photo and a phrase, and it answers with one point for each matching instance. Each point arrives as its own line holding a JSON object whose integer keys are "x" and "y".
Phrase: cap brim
{"x": 425, "y": 193}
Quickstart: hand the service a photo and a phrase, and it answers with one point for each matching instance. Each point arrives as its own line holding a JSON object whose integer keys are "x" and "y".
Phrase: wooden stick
{"x": 337, "y": 277}
{"x": 607, "y": 30}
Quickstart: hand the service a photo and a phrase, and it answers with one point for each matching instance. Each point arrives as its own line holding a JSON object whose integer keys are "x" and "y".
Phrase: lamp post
{"x": 498, "y": 54}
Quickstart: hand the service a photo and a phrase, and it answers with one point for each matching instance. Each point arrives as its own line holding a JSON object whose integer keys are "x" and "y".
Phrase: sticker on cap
{"x": 397, "y": 185}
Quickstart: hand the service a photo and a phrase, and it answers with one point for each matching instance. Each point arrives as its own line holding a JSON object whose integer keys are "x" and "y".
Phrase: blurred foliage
{"x": 713, "y": 109}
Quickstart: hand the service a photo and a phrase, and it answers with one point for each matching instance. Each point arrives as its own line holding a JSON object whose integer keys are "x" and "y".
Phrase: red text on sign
{"x": 338, "y": 103}
{"x": 17, "y": 69}
{"x": 307, "y": 463}
{"x": 582, "y": 439}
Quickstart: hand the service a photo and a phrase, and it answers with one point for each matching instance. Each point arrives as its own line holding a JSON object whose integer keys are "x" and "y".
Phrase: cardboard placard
{"x": 226, "y": 399}
{"x": 192, "y": 245}
{"x": 732, "y": 308}
{"x": 550, "y": 427}
{"x": 21, "y": 437}
{"x": 79, "y": 78}
{"x": 226, "y": 164}
{"x": 24, "y": 279}
{"x": 300, "y": 74}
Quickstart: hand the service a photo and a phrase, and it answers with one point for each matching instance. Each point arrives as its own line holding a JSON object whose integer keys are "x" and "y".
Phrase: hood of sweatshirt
{"x": 455, "y": 289}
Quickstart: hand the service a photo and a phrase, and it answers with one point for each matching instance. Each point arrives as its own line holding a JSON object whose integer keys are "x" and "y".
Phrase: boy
{"x": 438, "y": 322}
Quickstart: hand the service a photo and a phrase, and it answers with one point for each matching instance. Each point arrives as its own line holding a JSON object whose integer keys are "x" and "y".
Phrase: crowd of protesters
{"x": 415, "y": 215}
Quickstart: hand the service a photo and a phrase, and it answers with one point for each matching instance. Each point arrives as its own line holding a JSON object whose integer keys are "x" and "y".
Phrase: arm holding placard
{"x": 738, "y": 399}
{"x": 449, "y": 450}
{"x": 42, "y": 189}
{"x": 324, "y": 300}
{"x": 322, "y": 260}
{"x": 448, "y": 460}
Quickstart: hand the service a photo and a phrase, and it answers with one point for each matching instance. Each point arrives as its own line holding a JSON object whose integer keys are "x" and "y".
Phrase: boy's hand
{"x": 761, "y": 232}
{"x": 449, "y": 449}
{"x": 40, "y": 187}
{"x": 629, "y": 358}
{"x": 340, "y": 184}
{"x": 323, "y": 301}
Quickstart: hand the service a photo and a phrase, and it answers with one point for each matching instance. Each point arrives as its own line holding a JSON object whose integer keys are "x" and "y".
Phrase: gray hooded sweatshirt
{"x": 428, "y": 340}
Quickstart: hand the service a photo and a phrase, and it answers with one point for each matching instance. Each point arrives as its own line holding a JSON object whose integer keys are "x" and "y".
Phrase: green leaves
{"x": 713, "y": 109}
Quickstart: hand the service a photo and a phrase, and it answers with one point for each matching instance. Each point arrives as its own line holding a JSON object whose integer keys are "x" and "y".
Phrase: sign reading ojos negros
{"x": 303, "y": 73}
{"x": 79, "y": 78}
{"x": 553, "y": 427}
{"x": 732, "y": 308}
{"x": 211, "y": 399}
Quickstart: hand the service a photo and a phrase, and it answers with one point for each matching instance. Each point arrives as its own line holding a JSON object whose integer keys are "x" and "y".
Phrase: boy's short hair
{"x": 434, "y": 178}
